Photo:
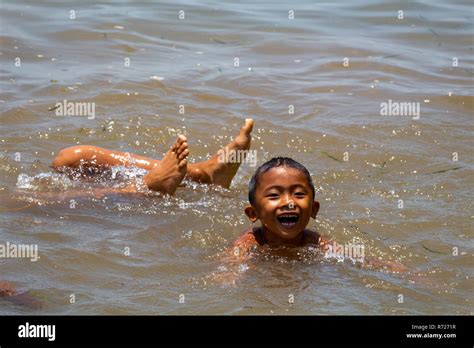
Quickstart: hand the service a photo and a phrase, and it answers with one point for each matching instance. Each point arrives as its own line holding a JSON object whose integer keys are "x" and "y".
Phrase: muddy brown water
{"x": 401, "y": 185}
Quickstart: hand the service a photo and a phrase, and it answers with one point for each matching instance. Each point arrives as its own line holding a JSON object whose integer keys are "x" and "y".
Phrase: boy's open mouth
{"x": 288, "y": 220}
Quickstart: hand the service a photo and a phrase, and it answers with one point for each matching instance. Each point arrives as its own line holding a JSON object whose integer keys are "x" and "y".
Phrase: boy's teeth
{"x": 288, "y": 220}
{"x": 288, "y": 224}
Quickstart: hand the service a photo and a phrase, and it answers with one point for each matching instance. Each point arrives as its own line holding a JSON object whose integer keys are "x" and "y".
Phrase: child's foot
{"x": 219, "y": 169}
{"x": 168, "y": 173}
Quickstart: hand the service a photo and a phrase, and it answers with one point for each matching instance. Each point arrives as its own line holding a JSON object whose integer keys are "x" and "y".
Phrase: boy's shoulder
{"x": 312, "y": 237}
{"x": 252, "y": 236}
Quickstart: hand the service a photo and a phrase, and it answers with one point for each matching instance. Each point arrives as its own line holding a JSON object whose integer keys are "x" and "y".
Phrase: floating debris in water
{"x": 445, "y": 170}
{"x": 53, "y": 107}
{"x": 434, "y": 32}
{"x": 331, "y": 156}
{"x": 432, "y": 250}
{"x": 218, "y": 41}
{"x": 118, "y": 27}
{"x": 157, "y": 78}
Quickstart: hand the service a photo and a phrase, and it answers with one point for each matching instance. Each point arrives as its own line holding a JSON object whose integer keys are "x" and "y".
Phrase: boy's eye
{"x": 300, "y": 194}
{"x": 273, "y": 195}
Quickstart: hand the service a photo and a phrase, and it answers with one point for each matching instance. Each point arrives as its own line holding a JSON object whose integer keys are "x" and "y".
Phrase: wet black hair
{"x": 273, "y": 163}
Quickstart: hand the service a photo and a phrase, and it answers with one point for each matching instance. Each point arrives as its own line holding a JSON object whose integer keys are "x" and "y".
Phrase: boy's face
{"x": 283, "y": 202}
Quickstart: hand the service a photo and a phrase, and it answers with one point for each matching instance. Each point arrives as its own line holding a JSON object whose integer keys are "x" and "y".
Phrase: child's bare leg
{"x": 170, "y": 171}
{"x": 164, "y": 176}
{"x": 208, "y": 172}
{"x": 220, "y": 173}
{"x": 93, "y": 156}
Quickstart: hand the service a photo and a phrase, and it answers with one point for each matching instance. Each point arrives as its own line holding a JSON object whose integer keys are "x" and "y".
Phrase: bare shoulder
{"x": 242, "y": 247}
{"x": 247, "y": 239}
{"x": 313, "y": 237}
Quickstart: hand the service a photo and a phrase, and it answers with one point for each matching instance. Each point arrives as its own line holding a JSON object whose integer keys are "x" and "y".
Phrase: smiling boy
{"x": 282, "y": 197}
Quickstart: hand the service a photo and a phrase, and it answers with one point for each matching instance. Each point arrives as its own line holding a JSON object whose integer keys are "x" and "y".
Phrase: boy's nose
{"x": 287, "y": 202}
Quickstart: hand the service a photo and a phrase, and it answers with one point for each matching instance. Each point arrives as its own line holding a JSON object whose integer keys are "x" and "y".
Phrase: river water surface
{"x": 313, "y": 76}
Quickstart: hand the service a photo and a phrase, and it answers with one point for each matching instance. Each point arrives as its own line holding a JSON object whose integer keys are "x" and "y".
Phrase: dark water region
{"x": 399, "y": 181}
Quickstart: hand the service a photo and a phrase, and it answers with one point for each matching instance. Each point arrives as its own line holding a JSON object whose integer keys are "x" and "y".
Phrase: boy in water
{"x": 164, "y": 175}
{"x": 282, "y": 197}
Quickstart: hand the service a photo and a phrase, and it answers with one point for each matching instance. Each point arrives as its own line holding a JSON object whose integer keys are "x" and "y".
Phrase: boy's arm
{"x": 235, "y": 258}
{"x": 373, "y": 263}
{"x": 242, "y": 247}
{"x": 323, "y": 242}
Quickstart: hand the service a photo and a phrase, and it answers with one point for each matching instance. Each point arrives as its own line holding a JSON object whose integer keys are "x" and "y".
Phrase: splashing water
{"x": 44, "y": 181}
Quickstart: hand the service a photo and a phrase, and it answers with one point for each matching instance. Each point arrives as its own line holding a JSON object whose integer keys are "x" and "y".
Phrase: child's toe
{"x": 182, "y": 163}
{"x": 181, "y": 148}
{"x": 183, "y": 154}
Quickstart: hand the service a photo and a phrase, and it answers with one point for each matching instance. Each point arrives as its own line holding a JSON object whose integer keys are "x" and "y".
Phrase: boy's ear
{"x": 251, "y": 213}
{"x": 315, "y": 209}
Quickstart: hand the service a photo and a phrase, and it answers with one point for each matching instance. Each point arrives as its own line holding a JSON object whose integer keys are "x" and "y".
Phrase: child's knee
{"x": 61, "y": 159}
{"x": 69, "y": 157}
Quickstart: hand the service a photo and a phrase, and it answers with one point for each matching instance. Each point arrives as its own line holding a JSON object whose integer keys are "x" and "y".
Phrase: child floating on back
{"x": 163, "y": 175}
